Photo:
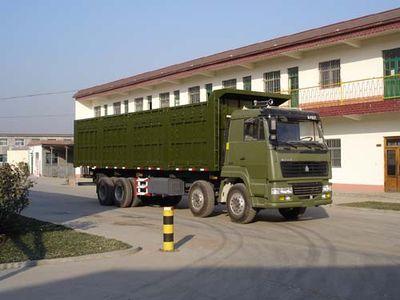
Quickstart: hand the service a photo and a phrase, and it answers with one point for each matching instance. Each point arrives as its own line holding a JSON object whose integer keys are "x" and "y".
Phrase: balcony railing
{"x": 364, "y": 90}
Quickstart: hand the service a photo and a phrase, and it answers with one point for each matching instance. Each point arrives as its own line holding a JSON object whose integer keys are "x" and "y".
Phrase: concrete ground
{"x": 332, "y": 252}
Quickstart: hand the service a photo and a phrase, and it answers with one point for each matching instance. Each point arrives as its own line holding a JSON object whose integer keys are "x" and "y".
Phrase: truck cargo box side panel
{"x": 178, "y": 137}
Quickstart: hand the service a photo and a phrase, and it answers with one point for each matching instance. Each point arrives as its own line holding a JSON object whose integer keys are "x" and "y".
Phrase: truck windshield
{"x": 296, "y": 133}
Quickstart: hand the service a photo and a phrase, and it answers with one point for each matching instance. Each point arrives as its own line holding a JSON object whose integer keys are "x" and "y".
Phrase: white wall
{"x": 356, "y": 63}
{"x": 17, "y": 156}
{"x": 362, "y": 158}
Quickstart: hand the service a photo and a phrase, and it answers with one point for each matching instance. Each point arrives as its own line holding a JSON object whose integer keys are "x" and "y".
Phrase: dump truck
{"x": 239, "y": 148}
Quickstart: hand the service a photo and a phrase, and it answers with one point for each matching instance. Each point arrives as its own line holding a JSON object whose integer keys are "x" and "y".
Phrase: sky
{"x": 49, "y": 46}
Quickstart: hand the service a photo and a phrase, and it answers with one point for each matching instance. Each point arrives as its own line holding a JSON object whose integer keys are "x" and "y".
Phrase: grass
{"x": 374, "y": 205}
{"x": 31, "y": 239}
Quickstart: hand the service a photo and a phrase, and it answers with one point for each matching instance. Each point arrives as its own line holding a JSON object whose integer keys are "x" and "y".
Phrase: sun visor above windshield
{"x": 270, "y": 99}
{"x": 291, "y": 114}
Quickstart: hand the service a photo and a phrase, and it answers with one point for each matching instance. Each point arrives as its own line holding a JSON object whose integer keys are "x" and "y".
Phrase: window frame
{"x": 329, "y": 73}
{"x": 272, "y": 81}
{"x": 209, "y": 88}
{"x": 228, "y": 84}
{"x": 97, "y": 111}
{"x": 105, "y": 107}
{"x": 138, "y": 104}
{"x": 335, "y": 150}
{"x": 117, "y": 108}
{"x": 4, "y": 145}
{"x": 177, "y": 94}
{"x": 19, "y": 144}
{"x": 164, "y": 99}
{"x": 194, "y": 94}
{"x": 150, "y": 102}
{"x": 126, "y": 106}
{"x": 247, "y": 83}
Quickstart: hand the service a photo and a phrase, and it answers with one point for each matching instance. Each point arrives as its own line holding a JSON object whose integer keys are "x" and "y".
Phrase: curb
{"x": 50, "y": 261}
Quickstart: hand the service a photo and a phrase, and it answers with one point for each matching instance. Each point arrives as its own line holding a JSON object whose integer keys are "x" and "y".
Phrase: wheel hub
{"x": 197, "y": 199}
{"x": 237, "y": 204}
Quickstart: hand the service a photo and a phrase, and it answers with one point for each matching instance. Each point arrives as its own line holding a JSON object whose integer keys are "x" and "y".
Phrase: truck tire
{"x": 105, "y": 189}
{"x": 239, "y": 205}
{"x": 292, "y": 213}
{"x": 201, "y": 199}
{"x": 136, "y": 201}
{"x": 122, "y": 192}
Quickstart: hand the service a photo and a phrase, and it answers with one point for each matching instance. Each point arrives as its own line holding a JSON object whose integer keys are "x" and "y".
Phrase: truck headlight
{"x": 282, "y": 191}
{"x": 326, "y": 188}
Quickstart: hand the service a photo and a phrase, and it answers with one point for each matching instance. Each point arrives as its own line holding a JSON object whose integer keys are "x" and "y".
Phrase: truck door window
{"x": 254, "y": 130}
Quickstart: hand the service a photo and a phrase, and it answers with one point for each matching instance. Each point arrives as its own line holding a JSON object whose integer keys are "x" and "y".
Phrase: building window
{"x": 117, "y": 108}
{"x": 97, "y": 111}
{"x": 150, "y": 102}
{"x": 247, "y": 83}
{"x": 3, "y": 158}
{"x": 229, "y": 84}
{"x": 194, "y": 94}
{"x": 138, "y": 104}
{"x": 209, "y": 88}
{"x": 176, "y": 97}
{"x": 19, "y": 142}
{"x": 329, "y": 73}
{"x": 51, "y": 158}
{"x": 105, "y": 109}
{"x": 164, "y": 100}
{"x": 334, "y": 147}
{"x": 126, "y": 106}
{"x": 272, "y": 82}
{"x": 3, "y": 142}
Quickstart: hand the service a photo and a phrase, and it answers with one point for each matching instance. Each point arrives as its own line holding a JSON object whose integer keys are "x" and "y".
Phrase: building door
{"x": 391, "y": 65}
{"x": 392, "y": 164}
{"x": 294, "y": 86}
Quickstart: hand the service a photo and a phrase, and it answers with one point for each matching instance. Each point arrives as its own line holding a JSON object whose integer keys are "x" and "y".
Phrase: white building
{"x": 348, "y": 71}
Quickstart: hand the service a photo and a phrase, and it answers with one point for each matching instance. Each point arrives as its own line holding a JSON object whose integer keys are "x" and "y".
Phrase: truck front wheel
{"x": 105, "y": 188}
{"x": 239, "y": 205}
{"x": 201, "y": 199}
{"x": 292, "y": 213}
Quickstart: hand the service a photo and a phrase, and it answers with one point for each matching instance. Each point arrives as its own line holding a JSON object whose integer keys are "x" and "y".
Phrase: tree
{"x": 14, "y": 191}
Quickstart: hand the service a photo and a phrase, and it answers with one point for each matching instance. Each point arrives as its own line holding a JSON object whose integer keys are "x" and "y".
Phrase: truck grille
{"x": 304, "y": 168}
{"x": 308, "y": 188}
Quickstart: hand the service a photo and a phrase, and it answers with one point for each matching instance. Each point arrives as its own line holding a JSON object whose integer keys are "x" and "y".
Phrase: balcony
{"x": 345, "y": 93}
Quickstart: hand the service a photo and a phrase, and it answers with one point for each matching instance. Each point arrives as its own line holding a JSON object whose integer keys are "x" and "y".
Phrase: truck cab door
{"x": 247, "y": 152}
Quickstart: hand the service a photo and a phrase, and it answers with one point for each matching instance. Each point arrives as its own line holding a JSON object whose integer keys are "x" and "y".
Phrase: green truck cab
{"x": 238, "y": 148}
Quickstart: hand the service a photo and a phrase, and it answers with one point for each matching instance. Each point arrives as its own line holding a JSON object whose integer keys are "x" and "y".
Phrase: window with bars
{"x": 209, "y": 88}
{"x": 329, "y": 73}
{"x": 19, "y": 142}
{"x": 176, "y": 97}
{"x": 126, "y": 106}
{"x": 164, "y": 100}
{"x": 247, "y": 83}
{"x": 138, "y": 104}
{"x": 117, "y": 108}
{"x": 3, "y": 142}
{"x": 97, "y": 111}
{"x": 334, "y": 146}
{"x": 229, "y": 84}
{"x": 150, "y": 102}
{"x": 273, "y": 82}
{"x": 194, "y": 94}
{"x": 105, "y": 109}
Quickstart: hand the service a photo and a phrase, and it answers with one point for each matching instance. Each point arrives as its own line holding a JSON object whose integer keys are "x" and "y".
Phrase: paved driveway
{"x": 331, "y": 253}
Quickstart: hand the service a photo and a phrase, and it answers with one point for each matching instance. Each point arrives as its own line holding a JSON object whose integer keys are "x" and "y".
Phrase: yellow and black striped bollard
{"x": 168, "y": 229}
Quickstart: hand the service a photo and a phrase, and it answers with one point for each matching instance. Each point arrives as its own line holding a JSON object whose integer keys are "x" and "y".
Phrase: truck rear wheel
{"x": 105, "y": 188}
{"x": 292, "y": 213}
{"x": 122, "y": 192}
{"x": 136, "y": 201}
{"x": 239, "y": 205}
{"x": 201, "y": 199}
